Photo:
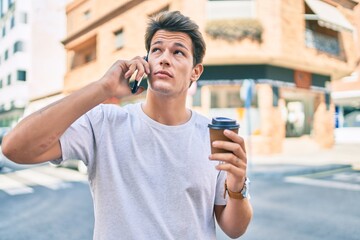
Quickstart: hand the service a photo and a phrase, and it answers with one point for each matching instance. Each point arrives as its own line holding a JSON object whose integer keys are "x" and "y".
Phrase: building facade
{"x": 268, "y": 63}
{"x": 32, "y": 57}
{"x": 346, "y": 97}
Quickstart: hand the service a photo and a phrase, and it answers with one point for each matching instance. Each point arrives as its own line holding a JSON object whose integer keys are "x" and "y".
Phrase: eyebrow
{"x": 176, "y": 44}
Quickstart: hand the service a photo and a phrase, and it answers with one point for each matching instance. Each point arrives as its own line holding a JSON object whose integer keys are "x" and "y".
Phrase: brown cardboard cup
{"x": 217, "y": 127}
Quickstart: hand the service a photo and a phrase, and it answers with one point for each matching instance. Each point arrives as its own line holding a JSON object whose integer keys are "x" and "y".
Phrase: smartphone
{"x": 136, "y": 84}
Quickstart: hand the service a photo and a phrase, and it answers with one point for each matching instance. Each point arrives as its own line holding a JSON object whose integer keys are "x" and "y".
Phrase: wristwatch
{"x": 244, "y": 193}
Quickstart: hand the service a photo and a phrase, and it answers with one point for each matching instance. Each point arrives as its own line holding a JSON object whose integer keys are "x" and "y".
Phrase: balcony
{"x": 322, "y": 42}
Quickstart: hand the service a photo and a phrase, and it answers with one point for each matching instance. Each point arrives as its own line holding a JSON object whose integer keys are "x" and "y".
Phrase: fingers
{"x": 237, "y": 146}
{"x": 137, "y": 64}
{"x": 235, "y": 138}
{"x": 229, "y": 158}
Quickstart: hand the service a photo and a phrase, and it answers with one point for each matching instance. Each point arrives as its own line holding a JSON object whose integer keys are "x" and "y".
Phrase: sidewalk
{"x": 302, "y": 155}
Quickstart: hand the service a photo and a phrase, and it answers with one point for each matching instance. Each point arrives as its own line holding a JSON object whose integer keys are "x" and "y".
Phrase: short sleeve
{"x": 77, "y": 142}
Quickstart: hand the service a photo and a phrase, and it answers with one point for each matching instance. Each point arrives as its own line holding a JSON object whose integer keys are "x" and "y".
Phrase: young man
{"x": 150, "y": 169}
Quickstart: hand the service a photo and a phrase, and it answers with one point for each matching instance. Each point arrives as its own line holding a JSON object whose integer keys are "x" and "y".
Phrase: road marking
{"x": 22, "y": 181}
{"x": 323, "y": 183}
{"x": 37, "y": 178}
{"x": 354, "y": 177}
{"x": 13, "y": 187}
{"x": 63, "y": 173}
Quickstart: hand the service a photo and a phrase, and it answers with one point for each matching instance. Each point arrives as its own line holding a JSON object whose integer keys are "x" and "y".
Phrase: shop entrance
{"x": 299, "y": 109}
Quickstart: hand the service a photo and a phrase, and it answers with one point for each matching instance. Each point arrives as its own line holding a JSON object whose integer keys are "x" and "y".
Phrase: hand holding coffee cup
{"x": 217, "y": 127}
{"x": 229, "y": 149}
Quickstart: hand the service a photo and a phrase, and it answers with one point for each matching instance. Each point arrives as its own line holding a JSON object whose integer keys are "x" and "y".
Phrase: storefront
{"x": 285, "y": 102}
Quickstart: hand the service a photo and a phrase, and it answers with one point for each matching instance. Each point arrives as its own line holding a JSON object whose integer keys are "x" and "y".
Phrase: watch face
{"x": 245, "y": 190}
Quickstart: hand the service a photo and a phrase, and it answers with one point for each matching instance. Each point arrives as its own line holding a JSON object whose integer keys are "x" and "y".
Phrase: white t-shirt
{"x": 148, "y": 180}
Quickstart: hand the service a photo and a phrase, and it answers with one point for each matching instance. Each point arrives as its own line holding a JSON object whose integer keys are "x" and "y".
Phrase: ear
{"x": 196, "y": 72}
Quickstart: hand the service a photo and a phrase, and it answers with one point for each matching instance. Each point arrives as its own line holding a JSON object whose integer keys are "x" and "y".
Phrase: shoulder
{"x": 201, "y": 121}
{"x": 110, "y": 112}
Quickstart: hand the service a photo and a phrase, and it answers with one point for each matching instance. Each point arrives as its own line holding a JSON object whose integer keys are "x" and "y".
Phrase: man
{"x": 150, "y": 169}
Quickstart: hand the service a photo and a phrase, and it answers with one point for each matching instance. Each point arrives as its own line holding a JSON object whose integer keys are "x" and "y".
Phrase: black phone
{"x": 136, "y": 85}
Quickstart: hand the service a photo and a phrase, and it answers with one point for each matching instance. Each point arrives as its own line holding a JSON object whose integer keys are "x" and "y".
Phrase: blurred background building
{"x": 346, "y": 96}
{"x": 283, "y": 53}
{"x": 32, "y": 58}
{"x": 269, "y": 64}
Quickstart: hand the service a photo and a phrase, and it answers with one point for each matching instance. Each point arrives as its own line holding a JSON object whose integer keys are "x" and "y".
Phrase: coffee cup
{"x": 217, "y": 127}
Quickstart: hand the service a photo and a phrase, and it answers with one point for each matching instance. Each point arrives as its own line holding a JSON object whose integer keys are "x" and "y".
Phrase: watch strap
{"x": 235, "y": 195}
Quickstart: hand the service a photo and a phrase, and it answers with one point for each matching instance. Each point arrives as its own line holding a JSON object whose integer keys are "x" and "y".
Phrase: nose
{"x": 165, "y": 58}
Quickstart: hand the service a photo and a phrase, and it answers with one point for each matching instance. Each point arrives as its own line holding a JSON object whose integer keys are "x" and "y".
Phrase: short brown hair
{"x": 176, "y": 22}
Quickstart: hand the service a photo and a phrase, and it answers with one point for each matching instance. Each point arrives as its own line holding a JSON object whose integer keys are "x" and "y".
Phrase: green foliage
{"x": 235, "y": 29}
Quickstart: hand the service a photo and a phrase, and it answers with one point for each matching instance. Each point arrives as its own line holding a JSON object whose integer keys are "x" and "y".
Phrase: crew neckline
{"x": 156, "y": 124}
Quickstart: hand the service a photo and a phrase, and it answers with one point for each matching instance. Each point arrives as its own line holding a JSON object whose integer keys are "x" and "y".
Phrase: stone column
{"x": 324, "y": 125}
{"x": 272, "y": 131}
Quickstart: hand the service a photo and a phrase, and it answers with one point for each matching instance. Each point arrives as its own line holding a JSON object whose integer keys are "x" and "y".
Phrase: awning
{"x": 327, "y": 16}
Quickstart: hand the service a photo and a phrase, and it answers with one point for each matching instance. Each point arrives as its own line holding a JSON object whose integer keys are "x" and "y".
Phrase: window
{"x": 87, "y": 14}
{"x": 21, "y": 75}
{"x": 3, "y": 31}
{"x": 1, "y": 83}
{"x": 119, "y": 39}
{"x": 89, "y": 57}
{"x": 84, "y": 53}
{"x": 23, "y": 17}
{"x": 321, "y": 38}
{"x": 12, "y": 22}
{"x": 1, "y": 9}
{"x": 226, "y": 97}
{"x": 9, "y": 80}
{"x": 6, "y": 55}
{"x": 18, "y": 47}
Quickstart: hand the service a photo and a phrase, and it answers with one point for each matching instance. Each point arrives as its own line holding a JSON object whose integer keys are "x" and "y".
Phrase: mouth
{"x": 163, "y": 73}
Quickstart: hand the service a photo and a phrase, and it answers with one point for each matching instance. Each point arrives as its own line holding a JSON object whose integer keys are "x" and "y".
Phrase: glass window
{"x": 9, "y": 79}
{"x": 1, "y": 8}
{"x": 6, "y": 55}
{"x": 119, "y": 39}
{"x": 87, "y": 14}
{"x": 23, "y": 17}
{"x": 18, "y": 47}
{"x": 12, "y": 22}
{"x": 197, "y": 97}
{"x": 21, "y": 75}
{"x": 3, "y": 31}
{"x": 1, "y": 84}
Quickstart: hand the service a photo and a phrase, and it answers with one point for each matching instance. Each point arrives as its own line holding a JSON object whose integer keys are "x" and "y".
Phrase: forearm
{"x": 37, "y": 133}
{"x": 235, "y": 217}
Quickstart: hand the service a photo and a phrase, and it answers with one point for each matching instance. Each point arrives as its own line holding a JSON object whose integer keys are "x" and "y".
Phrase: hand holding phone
{"x": 136, "y": 85}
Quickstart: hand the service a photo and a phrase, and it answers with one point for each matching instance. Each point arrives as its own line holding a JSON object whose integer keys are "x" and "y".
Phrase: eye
{"x": 155, "y": 49}
{"x": 178, "y": 52}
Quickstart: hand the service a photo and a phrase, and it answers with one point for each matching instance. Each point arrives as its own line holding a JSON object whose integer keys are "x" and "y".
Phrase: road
{"x": 55, "y": 203}
{"x": 45, "y": 203}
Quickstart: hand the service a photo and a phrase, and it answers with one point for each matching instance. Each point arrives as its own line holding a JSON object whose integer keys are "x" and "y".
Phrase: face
{"x": 171, "y": 63}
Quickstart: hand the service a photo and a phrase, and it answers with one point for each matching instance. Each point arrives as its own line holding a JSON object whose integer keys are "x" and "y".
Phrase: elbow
{"x": 5, "y": 148}
{"x": 8, "y": 150}
{"x": 237, "y": 234}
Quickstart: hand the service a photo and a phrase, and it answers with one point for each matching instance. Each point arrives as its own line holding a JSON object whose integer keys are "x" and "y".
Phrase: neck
{"x": 169, "y": 111}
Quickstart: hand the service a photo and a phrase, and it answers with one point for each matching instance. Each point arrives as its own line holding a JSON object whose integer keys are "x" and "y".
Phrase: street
{"x": 55, "y": 203}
